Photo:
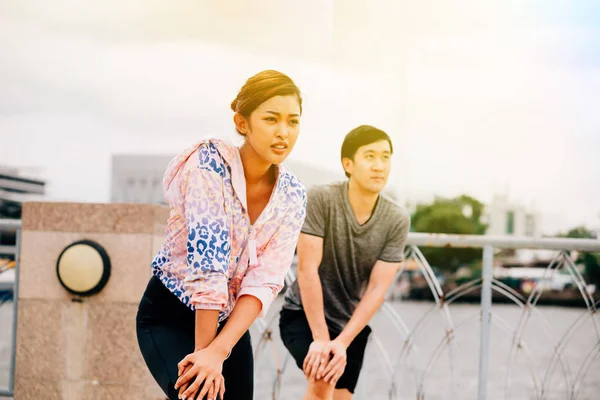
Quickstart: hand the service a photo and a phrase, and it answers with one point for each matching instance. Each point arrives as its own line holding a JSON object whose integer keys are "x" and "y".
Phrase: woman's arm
{"x": 206, "y": 363}
{"x": 242, "y": 317}
{"x": 207, "y": 236}
{"x": 259, "y": 287}
{"x": 206, "y": 328}
{"x": 205, "y": 283}
{"x": 205, "y": 332}
{"x": 266, "y": 279}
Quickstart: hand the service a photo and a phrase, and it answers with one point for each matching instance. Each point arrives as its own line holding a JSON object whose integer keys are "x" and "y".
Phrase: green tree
{"x": 592, "y": 268}
{"x": 459, "y": 215}
{"x": 579, "y": 232}
{"x": 591, "y": 261}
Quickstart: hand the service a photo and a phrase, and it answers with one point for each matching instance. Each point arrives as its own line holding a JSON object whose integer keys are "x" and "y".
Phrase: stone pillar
{"x": 78, "y": 348}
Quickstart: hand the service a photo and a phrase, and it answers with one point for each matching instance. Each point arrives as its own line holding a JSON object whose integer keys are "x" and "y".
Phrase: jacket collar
{"x": 232, "y": 157}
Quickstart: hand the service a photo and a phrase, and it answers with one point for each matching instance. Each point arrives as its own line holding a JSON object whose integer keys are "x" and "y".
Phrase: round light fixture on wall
{"x": 83, "y": 268}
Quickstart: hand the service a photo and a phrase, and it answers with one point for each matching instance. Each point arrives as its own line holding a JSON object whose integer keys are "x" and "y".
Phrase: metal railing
{"x": 486, "y": 284}
{"x": 11, "y": 226}
{"x": 406, "y": 343}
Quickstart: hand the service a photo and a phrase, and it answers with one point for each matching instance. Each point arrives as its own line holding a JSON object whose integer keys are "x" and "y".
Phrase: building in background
{"x": 509, "y": 218}
{"x": 138, "y": 178}
{"x": 16, "y": 187}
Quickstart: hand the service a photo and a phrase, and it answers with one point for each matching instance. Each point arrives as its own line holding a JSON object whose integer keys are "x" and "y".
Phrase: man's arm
{"x": 382, "y": 276}
{"x": 310, "y": 254}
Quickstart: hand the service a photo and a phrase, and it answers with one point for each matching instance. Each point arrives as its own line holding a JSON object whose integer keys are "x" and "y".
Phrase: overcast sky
{"x": 483, "y": 98}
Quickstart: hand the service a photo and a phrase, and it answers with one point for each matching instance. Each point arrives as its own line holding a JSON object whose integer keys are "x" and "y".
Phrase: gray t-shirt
{"x": 350, "y": 250}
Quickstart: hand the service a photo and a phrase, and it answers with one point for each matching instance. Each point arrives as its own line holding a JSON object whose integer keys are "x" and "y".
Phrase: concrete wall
{"x": 87, "y": 349}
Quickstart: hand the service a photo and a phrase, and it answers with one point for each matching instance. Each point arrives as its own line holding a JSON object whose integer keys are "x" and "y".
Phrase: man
{"x": 349, "y": 251}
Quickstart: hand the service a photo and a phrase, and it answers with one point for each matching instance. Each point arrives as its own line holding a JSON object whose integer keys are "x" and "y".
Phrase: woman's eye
{"x": 270, "y": 119}
{"x": 294, "y": 122}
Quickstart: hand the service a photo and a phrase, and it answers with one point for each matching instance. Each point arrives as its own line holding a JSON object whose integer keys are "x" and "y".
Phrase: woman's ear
{"x": 241, "y": 124}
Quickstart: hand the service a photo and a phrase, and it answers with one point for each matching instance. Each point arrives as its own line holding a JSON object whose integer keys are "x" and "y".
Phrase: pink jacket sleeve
{"x": 208, "y": 244}
{"x": 265, "y": 280}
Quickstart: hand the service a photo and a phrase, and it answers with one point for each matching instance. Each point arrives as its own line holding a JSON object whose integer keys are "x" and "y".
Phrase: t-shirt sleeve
{"x": 316, "y": 212}
{"x": 393, "y": 250}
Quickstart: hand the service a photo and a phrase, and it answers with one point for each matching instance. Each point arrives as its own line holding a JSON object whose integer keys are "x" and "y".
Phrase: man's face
{"x": 371, "y": 166}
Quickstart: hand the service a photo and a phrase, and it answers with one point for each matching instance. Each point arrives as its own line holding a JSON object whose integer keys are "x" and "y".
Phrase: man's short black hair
{"x": 362, "y": 136}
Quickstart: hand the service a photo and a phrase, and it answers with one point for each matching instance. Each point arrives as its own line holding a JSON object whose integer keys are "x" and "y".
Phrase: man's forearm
{"x": 366, "y": 309}
{"x": 312, "y": 301}
{"x": 244, "y": 314}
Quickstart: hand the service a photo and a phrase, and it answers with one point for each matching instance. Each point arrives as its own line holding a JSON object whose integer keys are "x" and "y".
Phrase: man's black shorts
{"x": 297, "y": 337}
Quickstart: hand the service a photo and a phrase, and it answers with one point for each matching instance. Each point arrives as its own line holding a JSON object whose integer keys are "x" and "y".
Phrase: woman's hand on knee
{"x": 202, "y": 371}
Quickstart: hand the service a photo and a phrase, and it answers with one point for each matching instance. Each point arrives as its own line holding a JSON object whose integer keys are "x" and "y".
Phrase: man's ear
{"x": 348, "y": 164}
{"x": 241, "y": 123}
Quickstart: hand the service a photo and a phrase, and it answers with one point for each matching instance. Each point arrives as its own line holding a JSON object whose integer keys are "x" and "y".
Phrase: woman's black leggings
{"x": 165, "y": 331}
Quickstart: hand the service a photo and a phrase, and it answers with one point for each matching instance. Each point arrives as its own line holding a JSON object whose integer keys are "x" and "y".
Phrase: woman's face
{"x": 272, "y": 129}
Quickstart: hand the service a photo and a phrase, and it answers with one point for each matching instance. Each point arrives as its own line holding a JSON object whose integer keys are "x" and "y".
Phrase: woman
{"x": 236, "y": 214}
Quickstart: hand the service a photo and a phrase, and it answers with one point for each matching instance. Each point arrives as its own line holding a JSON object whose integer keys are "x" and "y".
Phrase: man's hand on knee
{"x": 335, "y": 353}
{"x": 315, "y": 359}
